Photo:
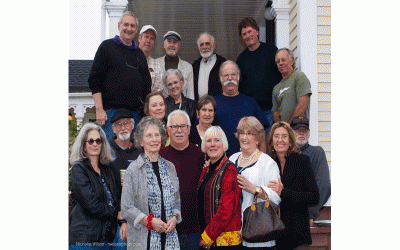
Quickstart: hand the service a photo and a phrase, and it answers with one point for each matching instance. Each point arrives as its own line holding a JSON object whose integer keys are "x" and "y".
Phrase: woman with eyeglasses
{"x": 296, "y": 187}
{"x": 174, "y": 81}
{"x": 150, "y": 200}
{"x": 256, "y": 170}
{"x": 95, "y": 193}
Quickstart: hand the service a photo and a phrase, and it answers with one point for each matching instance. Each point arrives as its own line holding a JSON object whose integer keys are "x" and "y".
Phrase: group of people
{"x": 209, "y": 136}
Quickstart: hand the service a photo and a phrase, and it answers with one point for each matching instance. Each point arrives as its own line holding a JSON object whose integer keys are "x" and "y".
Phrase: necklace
{"x": 248, "y": 158}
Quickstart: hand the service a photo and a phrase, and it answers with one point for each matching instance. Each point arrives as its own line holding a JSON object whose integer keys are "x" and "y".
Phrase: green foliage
{"x": 73, "y": 131}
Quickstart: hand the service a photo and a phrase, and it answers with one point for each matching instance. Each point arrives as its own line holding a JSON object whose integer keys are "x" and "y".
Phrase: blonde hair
{"x": 252, "y": 124}
{"x": 214, "y": 130}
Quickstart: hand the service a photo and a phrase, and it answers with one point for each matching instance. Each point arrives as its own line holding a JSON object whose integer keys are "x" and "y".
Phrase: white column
{"x": 115, "y": 10}
{"x": 80, "y": 102}
{"x": 307, "y": 46}
{"x": 281, "y": 9}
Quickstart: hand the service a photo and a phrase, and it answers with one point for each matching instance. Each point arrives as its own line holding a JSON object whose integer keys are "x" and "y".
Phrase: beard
{"x": 301, "y": 143}
{"x": 206, "y": 54}
{"x": 230, "y": 81}
{"x": 124, "y": 137}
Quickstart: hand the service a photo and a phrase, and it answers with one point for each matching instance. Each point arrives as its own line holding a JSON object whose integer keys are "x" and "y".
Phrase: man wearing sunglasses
{"x": 119, "y": 77}
{"x": 188, "y": 160}
{"x": 125, "y": 152}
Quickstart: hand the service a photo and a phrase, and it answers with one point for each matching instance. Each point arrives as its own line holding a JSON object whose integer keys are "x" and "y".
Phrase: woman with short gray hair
{"x": 94, "y": 191}
{"x": 150, "y": 200}
{"x": 174, "y": 80}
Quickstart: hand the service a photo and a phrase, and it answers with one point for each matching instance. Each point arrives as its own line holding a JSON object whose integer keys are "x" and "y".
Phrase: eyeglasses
{"x": 119, "y": 124}
{"x": 183, "y": 127}
{"x": 247, "y": 134}
{"x": 302, "y": 130}
{"x": 98, "y": 141}
{"x": 226, "y": 76}
{"x": 277, "y": 137}
{"x": 172, "y": 83}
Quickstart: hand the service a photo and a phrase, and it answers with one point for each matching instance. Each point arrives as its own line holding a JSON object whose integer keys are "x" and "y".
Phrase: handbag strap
{"x": 253, "y": 205}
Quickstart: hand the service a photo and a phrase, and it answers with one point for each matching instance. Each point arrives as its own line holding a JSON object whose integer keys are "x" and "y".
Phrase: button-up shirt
{"x": 204, "y": 74}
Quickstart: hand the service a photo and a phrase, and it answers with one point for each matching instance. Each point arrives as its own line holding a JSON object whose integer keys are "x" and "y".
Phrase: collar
{"x": 118, "y": 41}
{"x": 212, "y": 58}
{"x": 171, "y": 58}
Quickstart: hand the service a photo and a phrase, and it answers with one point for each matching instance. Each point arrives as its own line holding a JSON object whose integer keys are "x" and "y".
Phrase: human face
{"x": 302, "y": 134}
{"x": 123, "y": 128}
{"x": 280, "y": 140}
{"x": 127, "y": 29}
{"x": 147, "y": 41}
{"x": 157, "y": 107}
{"x": 285, "y": 66}
{"x": 171, "y": 46}
{"x": 179, "y": 137}
{"x": 248, "y": 141}
{"x": 206, "y": 114}
{"x": 94, "y": 149}
{"x": 151, "y": 141}
{"x": 214, "y": 147}
{"x": 206, "y": 47}
{"x": 230, "y": 80}
{"x": 250, "y": 37}
{"x": 174, "y": 85}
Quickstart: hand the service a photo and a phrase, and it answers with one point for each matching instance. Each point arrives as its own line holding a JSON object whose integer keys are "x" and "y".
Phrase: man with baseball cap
{"x": 125, "y": 152}
{"x": 172, "y": 61}
{"x": 147, "y": 38}
{"x": 319, "y": 164}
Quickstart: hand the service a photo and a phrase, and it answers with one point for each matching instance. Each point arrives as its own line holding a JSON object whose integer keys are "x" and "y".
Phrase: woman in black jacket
{"x": 95, "y": 193}
{"x": 297, "y": 187}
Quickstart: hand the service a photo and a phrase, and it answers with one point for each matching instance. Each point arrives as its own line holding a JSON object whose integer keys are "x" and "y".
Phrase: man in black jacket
{"x": 125, "y": 152}
{"x": 205, "y": 69}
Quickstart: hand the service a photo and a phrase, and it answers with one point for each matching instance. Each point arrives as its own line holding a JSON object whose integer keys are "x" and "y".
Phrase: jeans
{"x": 118, "y": 244}
{"x": 107, "y": 126}
{"x": 268, "y": 116}
{"x": 90, "y": 246}
{"x": 189, "y": 241}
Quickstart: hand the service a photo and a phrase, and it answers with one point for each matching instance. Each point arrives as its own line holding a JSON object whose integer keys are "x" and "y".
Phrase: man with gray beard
{"x": 319, "y": 164}
{"x": 205, "y": 69}
{"x": 125, "y": 152}
{"x": 233, "y": 106}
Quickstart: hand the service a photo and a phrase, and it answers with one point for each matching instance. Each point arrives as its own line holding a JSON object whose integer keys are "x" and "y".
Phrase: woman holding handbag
{"x": 297, "y": 187}
{"x": 218, "y": 195}
{"x": 256, "y": 170}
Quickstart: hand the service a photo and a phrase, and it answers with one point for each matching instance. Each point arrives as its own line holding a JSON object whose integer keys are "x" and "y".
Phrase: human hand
{"x": 246, "y": 185}
{"x": 123, "y": 231}
{"x": 276, "y": 186}
{"x": 171, "y": 224}
{"x": 206, "y": 163}
{"x": 204, "y": 244}
{"x": 101, "y": 117}
{"x": 159, "y": 225}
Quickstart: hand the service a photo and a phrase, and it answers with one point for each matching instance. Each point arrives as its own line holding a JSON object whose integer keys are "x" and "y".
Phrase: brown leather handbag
{"x": 261, "y": 223}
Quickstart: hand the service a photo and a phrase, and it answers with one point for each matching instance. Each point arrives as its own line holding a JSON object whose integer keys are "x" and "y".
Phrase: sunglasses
{"x": 98, "y": 141}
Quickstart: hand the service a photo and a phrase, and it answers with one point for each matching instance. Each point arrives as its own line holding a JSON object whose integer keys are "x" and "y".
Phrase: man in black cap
{"x": 125, "y": 152}
{"x": 171, "y": 60}
{"x": 319, "y": 164}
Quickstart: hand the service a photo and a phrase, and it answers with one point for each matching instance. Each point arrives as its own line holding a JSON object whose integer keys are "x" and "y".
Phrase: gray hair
{"x": 226, "y": 63}
{"x": 144, "y": 123}
{"x": 291, "y": 56}
{"x": 170, "y": 72}
{"x": 178, "y": 111}
{"x": 205, "y": 33}
{"x": 77, "y": 149}
{"x": 128, "y": 13}
{"x": 213, "y": 130}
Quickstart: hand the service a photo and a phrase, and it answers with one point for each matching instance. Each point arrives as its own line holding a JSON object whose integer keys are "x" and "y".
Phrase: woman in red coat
{"x": 218, "y": 195}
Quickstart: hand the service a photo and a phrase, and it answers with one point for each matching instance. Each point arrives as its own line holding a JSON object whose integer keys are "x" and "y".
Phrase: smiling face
{"x": 174, "y": 85}
{"x": 157, "y": 107}
{"x": 214, "y": 146}
{"x": 248, "y": 141}
{"x": 180, "y": 136}
{"x": 123, "y": 128}
{"x": 147, "y": 41}
{"x": 206, "y": 114}
{"x": 280, "y": 141}
{"x": 127, "y": 29}
{"x": 151, "y": 141}
{"x": 171, "y": 46}
{"x": 284, "y": 64}
{"x": 250, "y": 37}
{"x": 230, "y": 80}
{"x": 206, "y": 47}
{"x": 94, "y": 149}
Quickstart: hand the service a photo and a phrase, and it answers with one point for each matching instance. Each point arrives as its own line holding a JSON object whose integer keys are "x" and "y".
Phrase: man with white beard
{"x": 205, "y": 69}
{"x": 172, "y": 44}
{"x": 319, "y": 164}
{"x": 233, "y": 106}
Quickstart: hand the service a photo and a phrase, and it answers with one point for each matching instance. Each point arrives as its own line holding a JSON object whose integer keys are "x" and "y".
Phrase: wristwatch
{"x": 258, "y": 190}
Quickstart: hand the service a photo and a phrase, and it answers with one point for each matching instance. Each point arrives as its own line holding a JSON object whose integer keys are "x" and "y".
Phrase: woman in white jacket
{"x": 256, "y": 169}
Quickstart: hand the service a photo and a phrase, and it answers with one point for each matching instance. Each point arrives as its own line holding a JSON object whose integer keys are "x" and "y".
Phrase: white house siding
{"x": 293, "y": 28}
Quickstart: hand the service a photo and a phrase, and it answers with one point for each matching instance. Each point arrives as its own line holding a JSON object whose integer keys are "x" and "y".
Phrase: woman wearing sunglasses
{"x": 95, "y": 195}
